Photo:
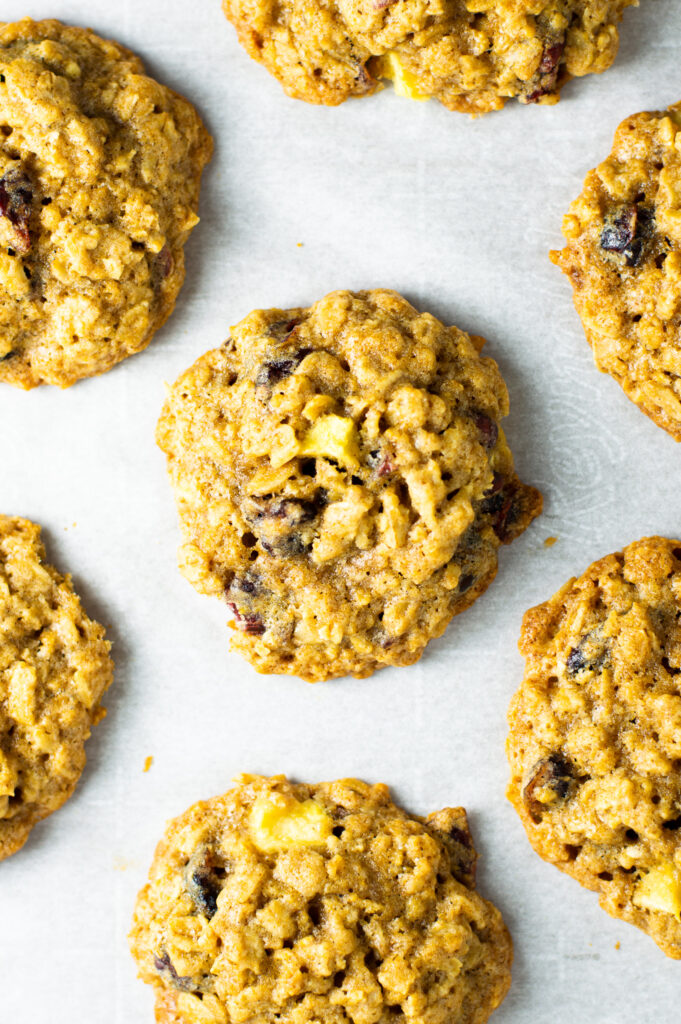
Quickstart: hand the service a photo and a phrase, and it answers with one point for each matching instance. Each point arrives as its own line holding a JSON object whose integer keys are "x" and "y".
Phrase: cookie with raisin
{"x": 595, "y": 734}
{"x": 100, "y": 169}
{"x": 472, "y": 57}
{"x": 291, "y": 903}
{"x": 54, "y": 669}
{"x": 623, "y": 259}
{"x": 342, "y": 481}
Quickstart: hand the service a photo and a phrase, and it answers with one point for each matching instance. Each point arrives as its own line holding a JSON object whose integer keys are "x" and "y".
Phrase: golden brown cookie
{"x": 54, "y": 668}
{"x": 595, "y": 734}
{"x": 623, "y": 257}
{"x": 100, "y": 169}
{"x": 302, "y": 903}
{"x": 470, "y": 55}
{"x": 342, "y": 481}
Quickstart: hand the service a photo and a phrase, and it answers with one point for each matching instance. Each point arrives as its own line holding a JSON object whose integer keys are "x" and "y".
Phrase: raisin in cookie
{"x": 54, "y": 668}
{"x": 623, "y": 257}
{"x": 299, "y": 903}
{"x": 595, "y": 738}
{"x": 99, "y": 183}
{"x": 342, "y": 481}
{"x": 471, "y": 56}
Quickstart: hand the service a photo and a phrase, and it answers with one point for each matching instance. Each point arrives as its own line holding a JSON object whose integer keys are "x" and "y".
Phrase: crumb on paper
{"x": 148, "y": 761}
{"x": 121, "y": 864}
{"x": 617, "y": 945}
{"x": 550, "y": 541}
{"x": 299, "y": 245}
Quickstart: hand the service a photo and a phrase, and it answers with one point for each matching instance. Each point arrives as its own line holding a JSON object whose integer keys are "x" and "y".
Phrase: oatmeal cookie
{"x": 470, "y": 55}
{"x": 99, "y": 183}
{"x": 342, "y": 481}
{"x": 623, "y": 257}
{"x": 595, "y": 734}
{"x": 301, "y": 903}
{"x": 54, "y": 668}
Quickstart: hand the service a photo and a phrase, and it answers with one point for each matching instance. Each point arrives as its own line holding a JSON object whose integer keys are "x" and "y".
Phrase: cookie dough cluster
{"x": 595, "y": 734}
{"x": 297, "y": 903}
{"x": 99, "y": 183}
{"x": 54, "y": 669}
{"x": 623, "y": 258}
{"x": 472, "y": 55}
{"x": 342, "y": 481}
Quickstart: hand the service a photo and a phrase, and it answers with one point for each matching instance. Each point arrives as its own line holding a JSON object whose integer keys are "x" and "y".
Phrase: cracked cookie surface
{"x": 472, "y": 55}
{"x": 342, "y": 481}
{"x": 595, "y": 734}
{"x": 100, "y": 169}
{"x": 302, "y": 903}
{"x": 54, "y": 668}
{"x": 623, "y": 258}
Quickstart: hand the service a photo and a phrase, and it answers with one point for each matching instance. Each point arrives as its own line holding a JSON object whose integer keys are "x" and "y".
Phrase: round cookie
{"x": 471, "y": 56}
{"x": 54, "y": 668}
{"x": 342, "y": 481}
{"x": 100, "y": 169}
{"x": 595, "y": 735}
{"x": 297, "y": 903}
{"x": 623, "y": 258}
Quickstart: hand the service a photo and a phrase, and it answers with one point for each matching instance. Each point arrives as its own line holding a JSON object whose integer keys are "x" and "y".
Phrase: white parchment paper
{"x": 458, "y": 215}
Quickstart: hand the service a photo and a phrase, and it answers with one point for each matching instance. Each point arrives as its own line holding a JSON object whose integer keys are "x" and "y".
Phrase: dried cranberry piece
{"x": 554, "y": 773}
{"x": 249, "y": 583}
{"x": 626, "y": 232}
{"x": 164, "y": 965}
{"x": 452, "y": 824}
{"x": 575, "y": 661}
{"x": 364, "y": 81}
{"x": 578, "y": 660}
{"x": 497, "y": 484}
{"x": 500, "y": 507}
{"x": 546, "y": 78}
{"x": 465, "y": 582}
{"x": 274, "y": 370}
{"x": 282, "y": 329}
{"x": 489, "y": 430}
{"x": 283, "y": 525}
{"x": 620, "y": 231}
{"x": 380, "y": 463}
{"x": 165, "y": 262}
{"x": 551, "y": 58}
{"x": 247, "y": 623}
{"x": 16, "y": 197}
{"x": 204, "y": 875}
{"x": 459, "y": 836}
